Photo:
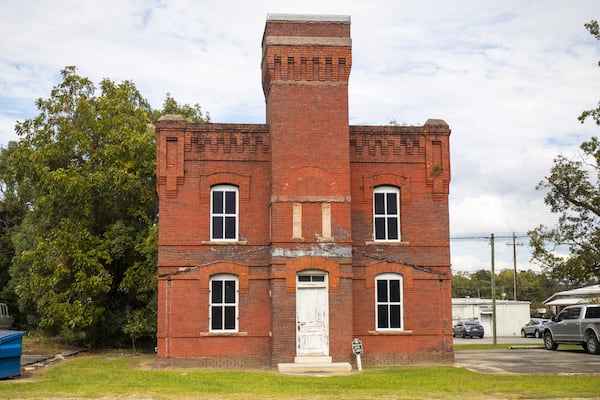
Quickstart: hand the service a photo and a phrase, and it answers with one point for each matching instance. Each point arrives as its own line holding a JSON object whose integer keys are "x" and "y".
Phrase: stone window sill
{"x": 391, "y": 333}
{"x": 225, "y": 242}
{"x": 220, "y": 334}
{"x": 372, "y": 243}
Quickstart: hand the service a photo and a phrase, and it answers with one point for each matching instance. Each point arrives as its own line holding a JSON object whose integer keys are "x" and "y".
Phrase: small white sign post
{"x": 357, "y": 349}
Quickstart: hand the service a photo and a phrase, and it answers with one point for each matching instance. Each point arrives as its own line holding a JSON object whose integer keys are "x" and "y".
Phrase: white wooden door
{"x": 312, "y": 315}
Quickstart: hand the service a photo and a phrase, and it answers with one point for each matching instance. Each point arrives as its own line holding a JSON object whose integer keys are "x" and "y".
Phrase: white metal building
{"x": 510, "y": 315}
{"x": 559, "y": 300}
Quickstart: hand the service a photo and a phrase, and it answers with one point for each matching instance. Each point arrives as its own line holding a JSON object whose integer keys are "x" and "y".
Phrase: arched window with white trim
{"x": 224, "y": 218}
{"x": 223, "y": 303}
{"x": 389, "y": 312}
{"x": 386, "y": 214}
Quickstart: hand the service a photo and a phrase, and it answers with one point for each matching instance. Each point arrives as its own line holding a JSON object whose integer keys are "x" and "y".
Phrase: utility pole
{"x": 514, "y": 246}
{"x": 493, "y": 293}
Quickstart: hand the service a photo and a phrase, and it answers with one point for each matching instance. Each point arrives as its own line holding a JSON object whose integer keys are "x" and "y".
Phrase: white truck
{"x": 579, "y": 324}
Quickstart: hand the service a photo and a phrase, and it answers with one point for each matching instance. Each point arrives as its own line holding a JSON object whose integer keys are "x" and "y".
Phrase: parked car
{"x": 578, "y": 324}
{"x": 467, "y": 328}
{"x": 535, "y": 327}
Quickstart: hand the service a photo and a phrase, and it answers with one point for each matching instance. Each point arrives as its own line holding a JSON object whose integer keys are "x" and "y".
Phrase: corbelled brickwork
{"x": 304, "y": 257}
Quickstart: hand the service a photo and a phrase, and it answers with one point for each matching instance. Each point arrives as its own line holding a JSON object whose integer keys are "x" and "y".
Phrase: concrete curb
{"x": 31, "y": 362}
{"x": 532, "y": 347}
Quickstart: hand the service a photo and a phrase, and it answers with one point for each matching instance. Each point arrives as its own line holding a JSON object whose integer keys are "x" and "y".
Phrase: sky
{"x": 510, "y": 77}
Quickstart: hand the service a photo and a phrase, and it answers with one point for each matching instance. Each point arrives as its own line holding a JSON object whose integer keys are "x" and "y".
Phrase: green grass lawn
{"x": 134, "y": 377}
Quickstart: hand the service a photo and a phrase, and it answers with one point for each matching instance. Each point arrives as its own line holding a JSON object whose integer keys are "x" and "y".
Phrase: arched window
{"x": 224, "y": 218}
{"x": 389, "y": 313}
{"x": 386, "y": 214}
{"x": 223, "y": 303}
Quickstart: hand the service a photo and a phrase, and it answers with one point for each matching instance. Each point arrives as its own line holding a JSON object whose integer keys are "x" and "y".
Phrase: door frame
{"x": 307, "y": 283}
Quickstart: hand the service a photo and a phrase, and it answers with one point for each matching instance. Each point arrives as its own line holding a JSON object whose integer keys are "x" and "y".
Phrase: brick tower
{"x": 305, "y": 68}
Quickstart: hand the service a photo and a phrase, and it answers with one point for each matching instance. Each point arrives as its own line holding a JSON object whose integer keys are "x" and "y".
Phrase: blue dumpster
{"x": 11, "y": 348}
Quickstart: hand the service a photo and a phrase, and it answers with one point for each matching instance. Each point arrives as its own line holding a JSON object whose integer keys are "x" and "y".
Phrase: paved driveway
{"x": 528, "y": 356}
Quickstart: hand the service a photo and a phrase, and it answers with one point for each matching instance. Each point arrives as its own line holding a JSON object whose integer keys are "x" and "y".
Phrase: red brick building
{"x": 282, "y": 242}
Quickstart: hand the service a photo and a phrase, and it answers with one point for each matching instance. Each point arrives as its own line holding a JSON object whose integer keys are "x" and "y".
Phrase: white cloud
{"x": 509, "y": 77}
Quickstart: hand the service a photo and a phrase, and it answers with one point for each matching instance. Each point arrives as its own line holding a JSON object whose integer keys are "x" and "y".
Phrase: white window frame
{"x": 223, "y": 303}
{"x": 386, "y": 215}
{"x": 224, "y": 214}
{"x": 388, "y": 303}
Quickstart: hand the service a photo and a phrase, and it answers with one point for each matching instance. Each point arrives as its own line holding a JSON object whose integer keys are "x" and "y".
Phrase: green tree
{"x": 87, "y": 164}
{"x": 532, "y": 286}
{"x": 12, "y": 211}
{"x": 83, "y": 174}
{"x": 594, "y": 29}
{"x": 573, "y": 193}
{"x": 462, "y": 286}
{"x": 191, "y": 113}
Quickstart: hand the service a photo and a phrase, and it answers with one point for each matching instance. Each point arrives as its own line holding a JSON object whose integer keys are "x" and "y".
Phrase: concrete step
{"x": 306, "y": 367}
{"x": 313, "y": 359}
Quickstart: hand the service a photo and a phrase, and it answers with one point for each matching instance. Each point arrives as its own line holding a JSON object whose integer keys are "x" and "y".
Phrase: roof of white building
{"x": 476, "y": 300}
{"x": 574, "y": 296}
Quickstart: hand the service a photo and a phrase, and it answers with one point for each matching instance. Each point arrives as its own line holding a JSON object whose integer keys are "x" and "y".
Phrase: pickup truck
{"x": 579, "y": 324}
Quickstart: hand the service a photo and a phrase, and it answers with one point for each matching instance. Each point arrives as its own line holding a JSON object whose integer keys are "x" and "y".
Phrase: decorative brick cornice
{"x": 179, "y": 141}
{"x": 427, "y": 144}
{"x": 309, "y": 64}
{"x": 369, "y": 143}
{"x": 306, "y": 49}
{"x": 227, "y": 141}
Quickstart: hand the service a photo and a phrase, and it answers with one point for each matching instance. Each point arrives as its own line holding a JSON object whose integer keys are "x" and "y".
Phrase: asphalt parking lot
{"x": 526, "y": 356}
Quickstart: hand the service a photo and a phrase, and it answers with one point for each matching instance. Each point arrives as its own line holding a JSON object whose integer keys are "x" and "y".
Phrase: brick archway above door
{"x": 332, "y": 267}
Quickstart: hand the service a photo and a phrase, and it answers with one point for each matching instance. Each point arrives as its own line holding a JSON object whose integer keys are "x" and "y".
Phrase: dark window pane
{"x": 318, "y": 278}
{"x": 304, "y": 278}
{"x": 382, "y": 294}
{"x": 379, "y": 203}
{"x": 230, "y": 202}
{"x": 229, "y": 317}
{"x": 395, "y": 317}
{"x": 592, "y": 312}
{"x": 217, "y": 292}
{"x": 216, "y": 318}
{"x": 382, "y": 317}
{"x": 392, "y": 204}
{"x": 392, "y": 228}
{"x": 217, "y": 202}
{"x": 230, "y": 228}
{"x": 217, "y": 228}
{"x": 229, "y": 291}
{"x": 380, "y": 228}
{"x": 395, "y": 291}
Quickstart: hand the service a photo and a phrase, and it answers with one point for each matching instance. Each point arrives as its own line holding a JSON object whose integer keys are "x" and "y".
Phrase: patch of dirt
{"x": 34, "y": 343}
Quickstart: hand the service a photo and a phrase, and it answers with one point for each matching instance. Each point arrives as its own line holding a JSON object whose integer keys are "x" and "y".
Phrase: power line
{"x": 487, "y": 237}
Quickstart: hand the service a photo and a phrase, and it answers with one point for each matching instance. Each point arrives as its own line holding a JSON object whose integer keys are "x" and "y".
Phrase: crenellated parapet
{"x": 370, "y": 143}
{"x": 179, "y": 141}
{"x": 426, "y": 145}
{"x": 227, "y": 141}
